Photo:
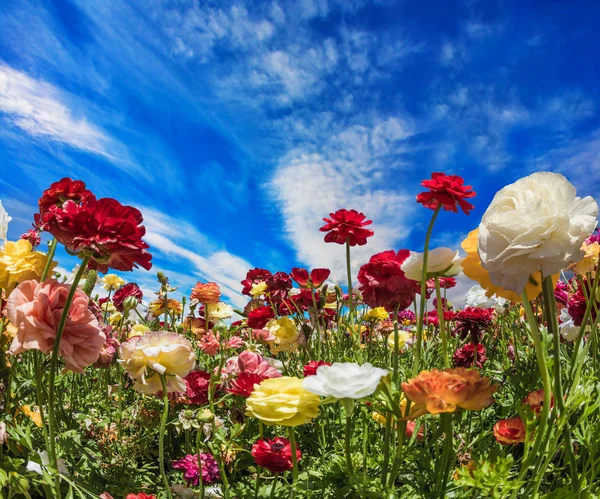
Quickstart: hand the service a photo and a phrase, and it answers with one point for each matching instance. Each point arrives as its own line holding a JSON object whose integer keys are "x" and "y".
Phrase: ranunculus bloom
{"x": 263, "y": 335}
{"x": 189, "y": 464}
{"x": 33, "y": 236}
{"x": 108, "y": 352}
{"x": 282, "y": 401}
{"x": 404, "y": 338}
{"x": 536, "y": 224}
{"x": 206, "y": 292}
{"x": 274, "y": 455}
{"x": 310, "y": 369}
{"x": 130, "y": 289}
{"x": 561, "y": 293}
{"x": 535, "y": 400}
{"x": 209, "y": 343}
{"x": 219, "y": 310}
{"x": 252, "y": 363}
{"x": 278, "y": 286}
{"x": 158, "y": 306}
{"x": 258, "y": 318}
{"x": 234, "y": 342}
{"x": 345, "y": 380}
{"x": 568, "y": 330}
{"x": 253, "y": 277}
{"x": 473, "y": 321}
{"x": 140, "y": 495}
{"x": 19, "y": 262}
{"x": 285, "y": 332}
{"x": 448, "y": 191}
{"x": 64, "y": 190}
{"x": 440, "y": 261}
{"x": 315, "y": 279}
{"x": 590, "y": 258}
{"x": 383, "y": 283}
{"x": 510, "y": 431}
{"x": 437, "y": 391}
{"x": 244, "y": 384}
{"x": 465, "y": 355}
{"x": 103, "y": 229}
{"x": 112, "y": 282}
{"x": 196, "y": 387}
{"x": 347, "y": 225}
{"x": 35, "y": 309}
{"x": 162, "y": 352}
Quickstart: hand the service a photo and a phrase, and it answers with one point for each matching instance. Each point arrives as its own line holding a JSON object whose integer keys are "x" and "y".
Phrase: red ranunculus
{"x": 258, "y": 318}
{"x": 465, "y": 356}
{"x": 448, "y": 191}
{"x": 510, "y": 431}
{"x": 314, "y": 280}
{"x": 535, "y": 400}
{"x": 383, "y": 284}
{"x": 274, "y": 455}
{"x": 347, "y": 225}
{"x": 208, "y": 469}
{"x": 140, "y": 495}
{"x": 447, "y": 282}
{"x": 254, "y": 276}
{"x": 196, "y": 383}
{"x": 472, "y": 321}
{"x": 244, "y": 384}
{"x": 103, "y": 229}
{"x": 129, "y": 289}
{"x": 319, "y": 276}
{"x": 277, "y": 286}
{"x": 33, "y": 236}
{"x": 300, "y": 276}
{"x": 310, "y": 369}
{"x": 64, "y": 190}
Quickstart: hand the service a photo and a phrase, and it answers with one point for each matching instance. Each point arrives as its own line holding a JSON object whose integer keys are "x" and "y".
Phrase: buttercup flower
{"x": 568, "y": 329}
{"x": 282, "y": 401}
{"x": 465, "y": 355}
{"x": 112, "y": 282}
{"x": 345, "y": 380}
{"x": 437, "y": 391}
{"x": 274, "y": 455}
{"x": 285, "y": 332}
{"x": 404, "y": 338}
{"x": 510, "y": 431}
{"x": 448, "y": 191}
{"x": 209, "y": 343}
{"x": 19, "y": 262}
{"x": 440, "y": 262}
{"x": 315, "y": 279}
{"x": 476, "y": 297}
{"x": 206, "y": 292}
{"x": 196, "y": 387}
{"x": 64, "y": 190}
{"x": 535, "y": 400}
{"x": 244, "y": 384}
{"x": 35, "y": 309}
{"x": 157, "y": 307}
{"x": 253, "y": 277}
{"x": 130, "y": 289}
{"x": 4, "y": 220}
{"x": 347, "y": 225}
{"x": 138, "y": 330}
{"x": 219, "y": 310}
{"x": 258, "y": 289}
{"x": 189, "y": 464}
{"x": 536, "y": 224}
{"x": 161, "y": 352}
{"x": 33, "y": 236}
{"x": 377, "y": 314}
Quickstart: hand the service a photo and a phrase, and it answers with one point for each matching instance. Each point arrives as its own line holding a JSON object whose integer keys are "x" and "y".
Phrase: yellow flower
{"x": 590, "y": 260}
{"x": 285, "y": 332}
{"x": 282, "y": 401}
{"x": 157, "y": 307}
{"x": 403, "y": 337}
{"x": 258, "y": 289}
{"x": 19, "y": 262}
{"x": 473, "y": 269}
{"x": 379, "y": 418}
{"x": 35, "y": 416}
{"x": 112, "y": 282}
{"x": 377, "y": 314}
{"x": 138, "y": 330}
{"x": 219, "y": 310}
{"x": 115, "y": 319}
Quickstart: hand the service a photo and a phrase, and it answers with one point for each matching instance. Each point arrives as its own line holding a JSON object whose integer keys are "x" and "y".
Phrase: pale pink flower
{"x": 209, "y": 344}
{"x": 263, "y": 335}
{"x": 251, "y": 363}
{"x": 35, "y": 309}
{"x": 235, "y": 342}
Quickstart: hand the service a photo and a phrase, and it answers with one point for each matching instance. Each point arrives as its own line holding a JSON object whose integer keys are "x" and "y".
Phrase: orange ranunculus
{"x": 437, "y": 391}
{"x": 510, "y": 431}
{"x": 206, "y": 292}
{"x": 157, "y": 307}
{"x": 473, "y": 269}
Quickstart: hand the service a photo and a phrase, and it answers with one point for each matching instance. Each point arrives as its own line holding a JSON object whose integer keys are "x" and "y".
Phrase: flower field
{"x": 375, "y": 387}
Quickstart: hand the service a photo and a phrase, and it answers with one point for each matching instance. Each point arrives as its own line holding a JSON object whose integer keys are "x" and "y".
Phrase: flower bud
{"x": 130, "y": 303}
{"x": 220, "y": 327}
{"x": 205, "y": 416}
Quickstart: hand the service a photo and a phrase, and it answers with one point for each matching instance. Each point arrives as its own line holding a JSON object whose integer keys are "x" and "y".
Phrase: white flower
{"x": 568, "y": 329}
{"x": 440, "y": 262}
{"x": 536, "y": 224}
{"x": 345, "y": 380}
{"x": 220, "y": 310}
{"x": 477, "y": 298}
{"x": 4, "y": 219}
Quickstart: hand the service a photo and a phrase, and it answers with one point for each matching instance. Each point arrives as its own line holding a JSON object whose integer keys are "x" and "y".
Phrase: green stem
{"x": 292, "y": 438}
{"x": 349, "y": 271}
{"x": 349, "y": 409}
{"x": 317, "y": 324}
{"x": 395, "y": 353}
{"x": 442, "y": 326}
{"x": 49, "y": 257}
{"x": 161, "y": 441}
{"x": 446, "y": 455}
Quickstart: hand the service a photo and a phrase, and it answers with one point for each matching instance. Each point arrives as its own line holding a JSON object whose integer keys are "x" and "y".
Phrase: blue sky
{"x": 236, "y": 126}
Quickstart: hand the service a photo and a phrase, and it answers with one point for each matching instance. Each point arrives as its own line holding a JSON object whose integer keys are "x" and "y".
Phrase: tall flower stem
{"x": 317, "y": 323}
{"x": 442, "y": 326}
{"x": 49, "y": 257}
{"x": 52, "y": 375}
{"x": 419, "y": 348}
{"x": 292, "y": 439}
{"x": 552, "y": 324}
{"x": 161, "y": 441}
{"x": 446, "y": 455}
{"x": 349, "y": 409}
{"x": 349, "y": 272}
{"x": 396, "y": 342}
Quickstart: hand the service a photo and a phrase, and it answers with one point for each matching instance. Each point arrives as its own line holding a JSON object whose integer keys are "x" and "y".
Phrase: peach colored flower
{"x": 206, "y": 292}
{"x": 209, "y": 344}
{"x": 535, "y": 400}
{"x": 510, "y": 431}
{"x": 195, "y": 326}
{"x": 234, "y": 342}
{"x": 35, "y": 309}
{"x": 263, "y": 336}
{"x": 437, "y": 391}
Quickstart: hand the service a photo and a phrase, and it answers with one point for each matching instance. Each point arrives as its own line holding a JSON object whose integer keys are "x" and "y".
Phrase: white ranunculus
{"x": 220, "y": 310}
{"x": 4, "y": 219}
{"x": 536, "y": 224}
{"x": 345, "y": 380}
{"x": 568, "y": 329}
{"x": 476, "y": 297}
{"x": 440, "y": 261}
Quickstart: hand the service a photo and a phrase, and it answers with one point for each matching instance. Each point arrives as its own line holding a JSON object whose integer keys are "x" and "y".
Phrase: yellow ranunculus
{"x": 258, "y": 289}
{"x": 473, "y": 269}
{"x": 138, "y": 330}
{"x": 112, "y": 282}
{"x": 403, "y": 337}
{"x": 157, "y": 307}
{"x": 590, "y": 260}
{"x": 285, "y": 332}
{"x": 282, "y": 401}
{"x": 35, "y": 416}
{"x": 377, "y": 314}
{"x": 19, "y": 262}
{"x": 115, "y": 318}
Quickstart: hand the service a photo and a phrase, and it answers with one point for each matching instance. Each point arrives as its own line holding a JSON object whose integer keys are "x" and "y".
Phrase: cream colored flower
{"x": 161, "y": 352}
{"x": 115, "y": 318}
{"x": 219, "y": 310}
{"x": 440, "y": 262}
{"x": 285, "y": 332}
{"x": 345, "y": 380}
{"x": 4, "y": 220}
{"x": 536, "y": 224}
{"x": 404, "y": 337}
{"x": 112, "y": 282}
{"x": 138, "y": 330}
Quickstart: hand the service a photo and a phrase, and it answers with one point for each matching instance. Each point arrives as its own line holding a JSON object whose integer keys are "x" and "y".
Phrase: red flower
{"x": 535, "y": 400}
{"x": 130, "y": 289}
{"x": 300, "y": 276}
{"x": 33, "y": 236}
{"x": 447, "y": 282}
{"x": 347, "y": 225}
{"x": 254, "y": 276}
{"x": 64, "y": 190}
{"x": 258, "y": 318}
{"x": 447, "y": 190}
{"x": 191, "y": 468}
{"x": 383, "y": 284}
{"x": 140, "y": 495}
{"x": 410, "y": 429}
{"x": 510, "y": 431}
{"x": 316, "y": 278}
{"x": 310, "y": 369}
{"x": 278, "y": 285}
{"x": 472, "y": 321}
{"x": 103, "y": 229}
{"x": 465, "y": 356}
{"x": 274, "y": 455}
{"x": 196, "y": 383}
{"x": 244, "y": 384}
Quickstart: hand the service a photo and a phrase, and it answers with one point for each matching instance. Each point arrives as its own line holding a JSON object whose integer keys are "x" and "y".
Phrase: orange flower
{"x": 195, "y": 326}
{"x": 510, "y": 431}
{"x": 437, "y": 391}
{"x": 157, "y": 307}
{"x": 473, "y": 269}
{"x": 206, "y": 292}
{"x": 535, "y": 400}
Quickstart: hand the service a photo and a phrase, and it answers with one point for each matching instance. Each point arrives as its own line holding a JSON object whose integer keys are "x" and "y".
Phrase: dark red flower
{"x": 64, "y": 190}
{"x": 300, "y": 276}
{"x": 465, "y": 356}
{"x": 448, "y": 191}
{"x": 102, "y": 229}
{"x": 535, "y": 400}
{"x": 33, "y": 236}
{"x": 196, "y": 387}
{"x": 315, "y": 279}
{"x": 244, "y": 384}
{"x": 274, "y": 455}
{"x": 254, "y": 276}
{"x": 561, "y": 293}
{"x": 383, "y": 284}
{"x": 473, "y": 321}
{"x": 129, "y": 289}
{"x": 310, "y": 369}
{"x": 278, "y": 285}
{"x": 577, "y": 303}
{"x": 347, "y": 225}
{"x": 447, "y": 282}
{"x": 258, "y": 318}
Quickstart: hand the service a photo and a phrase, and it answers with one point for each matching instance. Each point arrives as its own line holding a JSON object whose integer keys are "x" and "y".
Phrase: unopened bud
{"x": 130, "y": 303}
{"x": 205, "y": 416}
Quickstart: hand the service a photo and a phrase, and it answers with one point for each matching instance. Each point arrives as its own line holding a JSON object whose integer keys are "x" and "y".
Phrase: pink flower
{"x": 263, "y": 335}
{"x": 35, "y": 309}
{"x": 209, "y": 344}
{"x": 189, "y": 464}
{"x": 235, "y": 342}
{"x": 252, "y": 363}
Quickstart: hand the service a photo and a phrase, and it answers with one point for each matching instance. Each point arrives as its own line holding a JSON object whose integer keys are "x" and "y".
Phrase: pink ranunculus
{"x": 35, "y": 309}
{"x": 251, "y": 362}
{"x": 235, "y": 342}
{"x": 263, "y": 335}
{"x": 209, "y": 344}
